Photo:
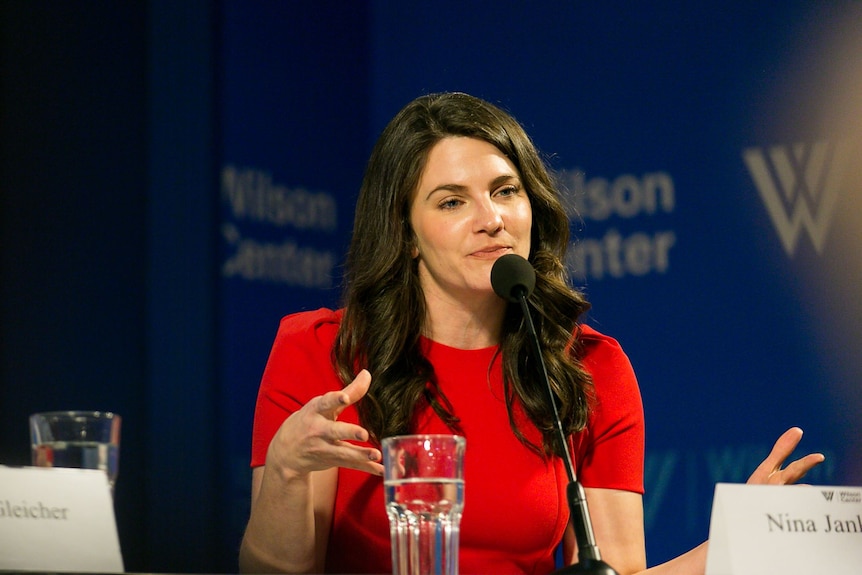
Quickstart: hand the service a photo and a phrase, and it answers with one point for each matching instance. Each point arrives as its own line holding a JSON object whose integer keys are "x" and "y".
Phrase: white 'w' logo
{"x": 799, "y": 185}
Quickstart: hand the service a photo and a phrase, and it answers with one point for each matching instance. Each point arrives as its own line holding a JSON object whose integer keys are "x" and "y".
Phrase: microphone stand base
{"x": 587, "y": 567}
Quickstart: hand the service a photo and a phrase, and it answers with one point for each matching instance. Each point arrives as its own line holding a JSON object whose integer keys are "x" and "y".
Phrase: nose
{"x": 488, "y": 217}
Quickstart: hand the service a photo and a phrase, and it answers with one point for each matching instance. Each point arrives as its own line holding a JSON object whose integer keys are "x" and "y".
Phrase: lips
{"x": 491, "y": 252}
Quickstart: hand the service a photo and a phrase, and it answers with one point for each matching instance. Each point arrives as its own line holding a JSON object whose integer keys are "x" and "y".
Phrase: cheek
{"x": 525, "y": 229}
{"x": 524, "y": 218}
{"x": 438, "y": 233}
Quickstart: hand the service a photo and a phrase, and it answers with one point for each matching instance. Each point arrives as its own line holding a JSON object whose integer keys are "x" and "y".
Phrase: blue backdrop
{"x": 670, "y": 125}
{"x": 177, "y": 177}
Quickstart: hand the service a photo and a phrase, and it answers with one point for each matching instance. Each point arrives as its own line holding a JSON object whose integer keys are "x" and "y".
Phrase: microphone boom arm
{"x": 589, "y": 557}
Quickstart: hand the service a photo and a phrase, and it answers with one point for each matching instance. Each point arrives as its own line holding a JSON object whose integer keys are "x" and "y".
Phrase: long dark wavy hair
{"x": 384, "y": 307}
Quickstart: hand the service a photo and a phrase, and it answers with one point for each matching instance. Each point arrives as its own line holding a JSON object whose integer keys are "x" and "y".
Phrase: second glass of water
{"x": 424, "y": 488}
{"x": 82, "y": 439}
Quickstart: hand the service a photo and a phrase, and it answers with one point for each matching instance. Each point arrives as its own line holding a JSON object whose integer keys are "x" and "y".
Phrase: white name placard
{"x": 57, "y": 519}
{"x": 757, "y": 529}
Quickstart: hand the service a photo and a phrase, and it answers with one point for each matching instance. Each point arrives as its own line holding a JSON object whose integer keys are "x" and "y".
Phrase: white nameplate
{"x": 757, "y": 529}
{"x": 57, "y": 519}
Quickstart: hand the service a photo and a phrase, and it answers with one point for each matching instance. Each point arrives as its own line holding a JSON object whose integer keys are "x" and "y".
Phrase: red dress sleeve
{"x": 610, "y": 452}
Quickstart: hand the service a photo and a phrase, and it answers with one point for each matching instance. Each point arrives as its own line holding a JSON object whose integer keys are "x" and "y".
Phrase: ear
{"x": 414, "y": 243}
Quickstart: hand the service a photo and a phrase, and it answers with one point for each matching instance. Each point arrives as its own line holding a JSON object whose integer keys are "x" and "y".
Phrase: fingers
{"x": 363, "y": 458}
{"x": 314, "y": 439}
{"x": 357, "y": 457}
{"x": 785, "y": 444}
{"x": 770, "y": 472}
{"x": 797, "y": 470}
{"x": 333, "y": 403}
{"x": 782, "y": 449}
{"x": 357, "y": 388}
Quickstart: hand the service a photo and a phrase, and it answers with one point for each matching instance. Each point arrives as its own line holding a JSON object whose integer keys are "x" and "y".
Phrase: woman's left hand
{"x": 770, "y": 472}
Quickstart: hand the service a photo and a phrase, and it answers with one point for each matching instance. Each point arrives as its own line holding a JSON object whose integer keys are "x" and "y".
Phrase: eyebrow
{"x": 498, "y": 181}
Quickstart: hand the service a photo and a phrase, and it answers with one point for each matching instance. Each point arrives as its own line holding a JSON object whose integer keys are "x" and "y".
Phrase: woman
{"x": 423, "y": 345}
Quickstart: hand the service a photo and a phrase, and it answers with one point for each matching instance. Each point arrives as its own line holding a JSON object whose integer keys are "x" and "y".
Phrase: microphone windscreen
{"x": 511, "y": 276}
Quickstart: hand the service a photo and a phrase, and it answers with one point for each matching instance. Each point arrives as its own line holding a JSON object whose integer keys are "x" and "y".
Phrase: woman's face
{"x": 470, "y": 208}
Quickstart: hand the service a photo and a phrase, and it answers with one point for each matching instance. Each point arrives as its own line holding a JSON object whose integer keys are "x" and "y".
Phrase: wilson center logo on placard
{"x": 799, "y": 185}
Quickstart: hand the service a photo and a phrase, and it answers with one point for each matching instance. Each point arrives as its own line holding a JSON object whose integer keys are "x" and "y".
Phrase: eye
{"x": 450, "y": 203}
{"x": 506, "y": 191}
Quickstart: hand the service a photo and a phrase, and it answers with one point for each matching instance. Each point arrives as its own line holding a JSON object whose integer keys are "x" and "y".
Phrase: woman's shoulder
{"x": 592, "y": 340}
{"x": 303, "y": 345}
{"x": 311, "y": 320}
{"x": 318, "y": 326}
{"x": 603, "y": 355}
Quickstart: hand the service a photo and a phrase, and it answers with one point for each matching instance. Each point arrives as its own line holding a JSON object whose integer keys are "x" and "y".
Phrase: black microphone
{"x": 513, "y": 279}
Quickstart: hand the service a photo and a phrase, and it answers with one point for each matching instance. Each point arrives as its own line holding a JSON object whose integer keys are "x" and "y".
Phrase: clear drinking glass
{"x": 424, "y": 487}
{"x": 82, "y": 439}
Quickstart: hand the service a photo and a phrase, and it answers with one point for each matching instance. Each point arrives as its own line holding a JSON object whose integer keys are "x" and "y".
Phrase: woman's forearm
{"x": 283, "y": 532}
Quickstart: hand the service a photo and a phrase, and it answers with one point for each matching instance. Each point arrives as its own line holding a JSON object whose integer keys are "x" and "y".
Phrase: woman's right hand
{"x": 293, "y": 494}
{"x": 312, "y": 439}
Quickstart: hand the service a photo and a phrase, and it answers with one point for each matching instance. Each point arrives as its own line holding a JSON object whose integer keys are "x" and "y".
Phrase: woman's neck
{"x": 464, "y": 326}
